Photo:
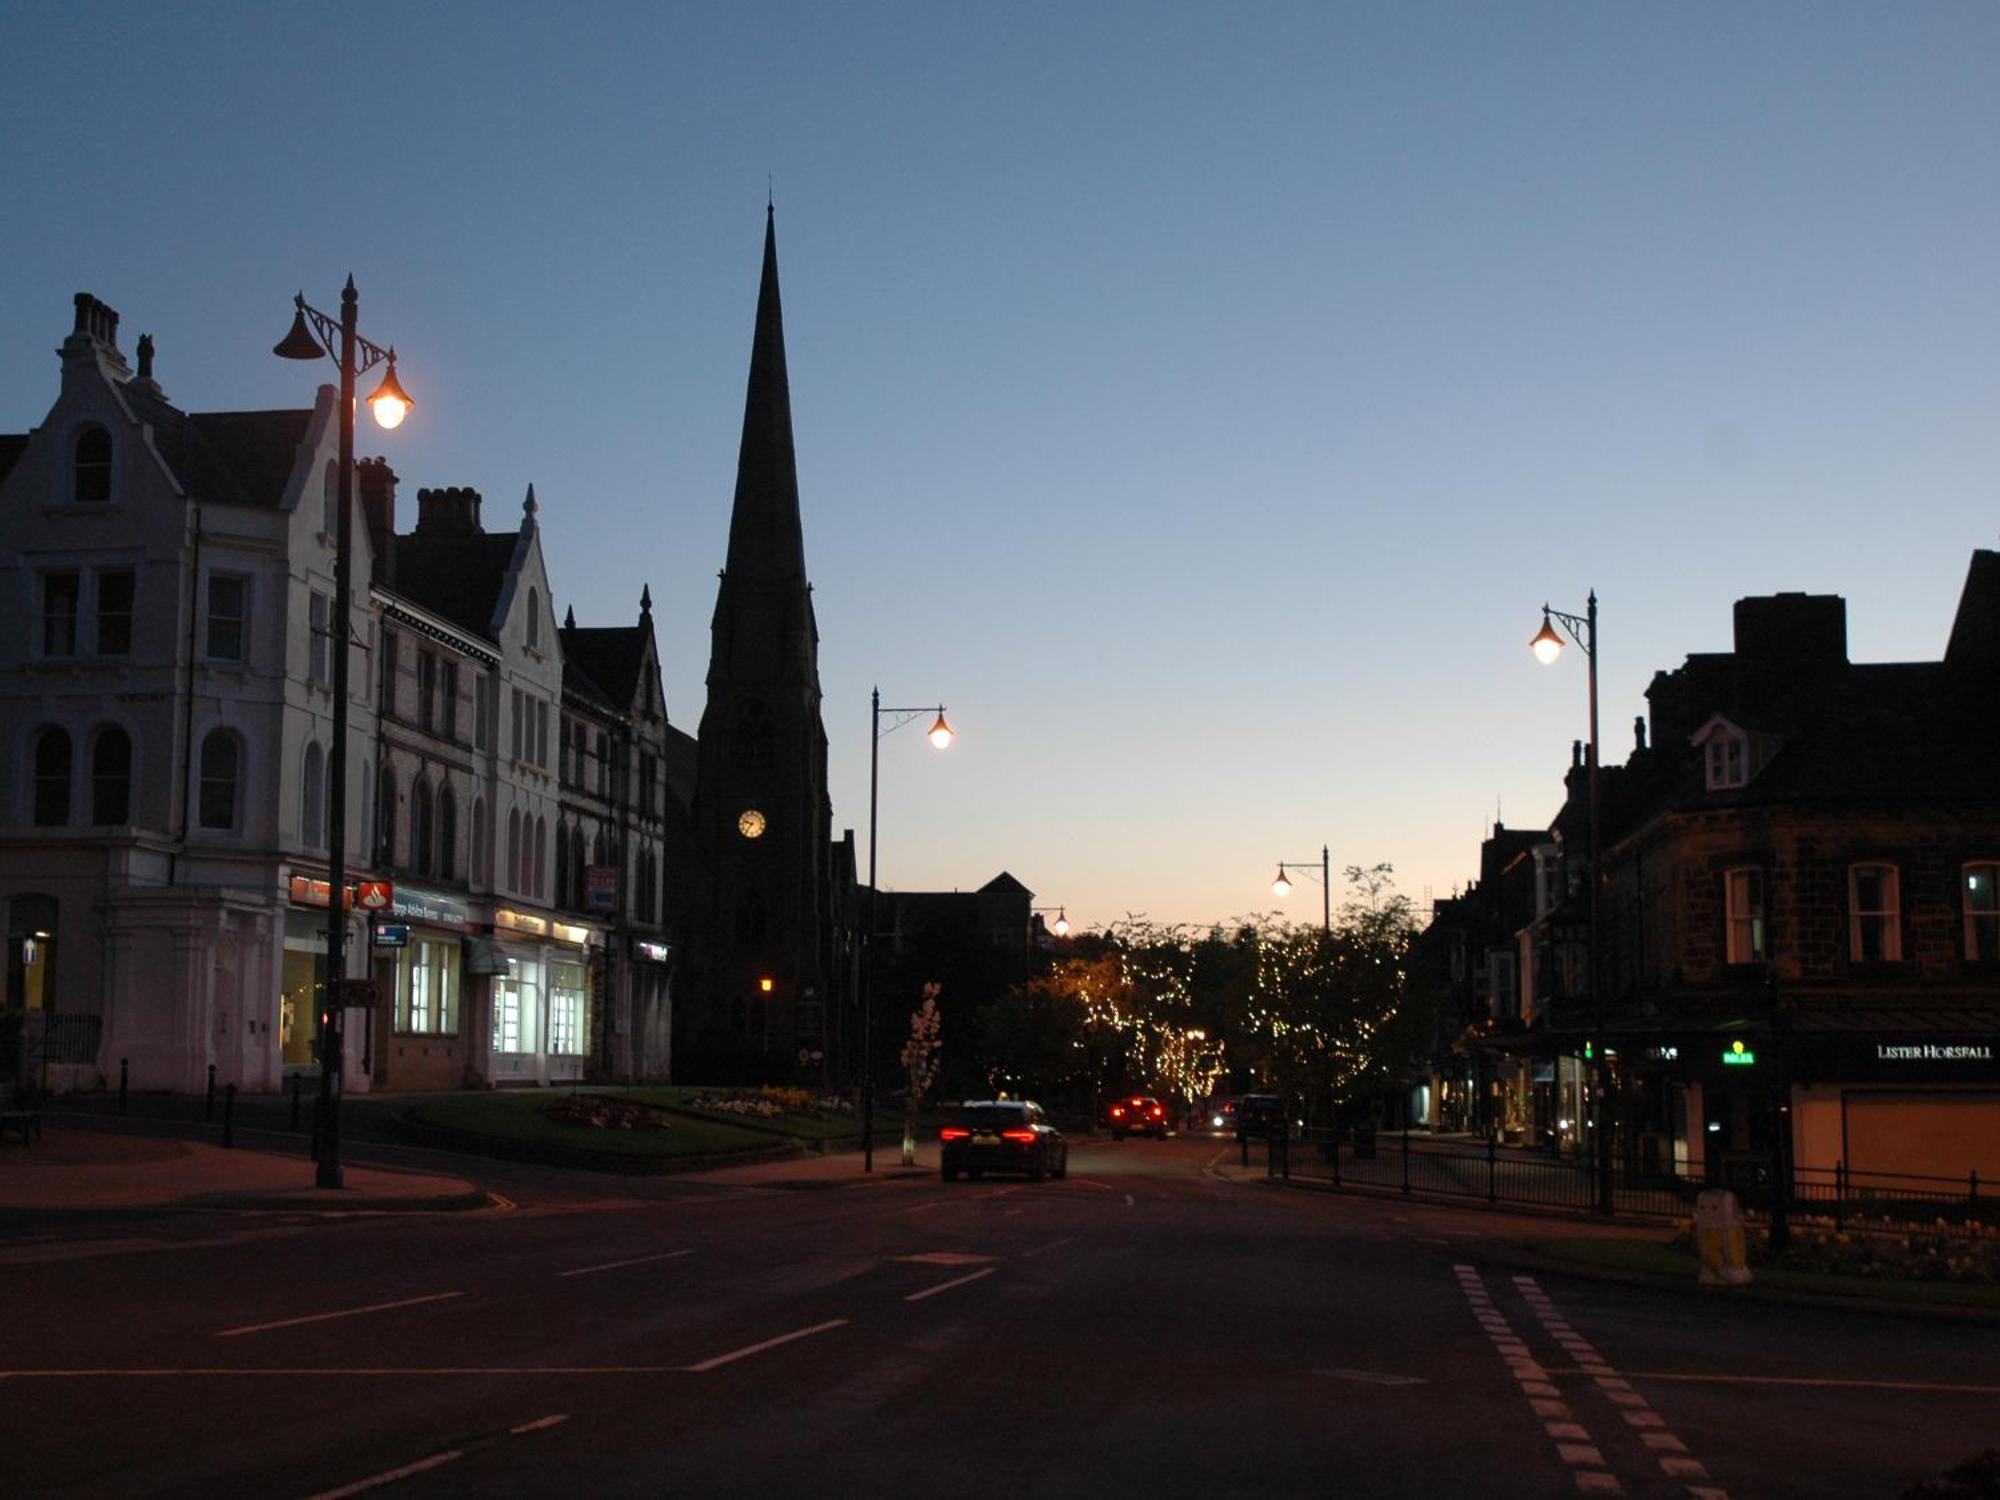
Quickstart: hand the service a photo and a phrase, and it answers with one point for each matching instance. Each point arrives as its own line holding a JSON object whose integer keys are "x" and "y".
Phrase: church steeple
{"x": 766, "y": 541}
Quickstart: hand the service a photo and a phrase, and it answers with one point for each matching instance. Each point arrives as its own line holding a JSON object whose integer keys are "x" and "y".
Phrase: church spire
{"x": 766, "y": 540}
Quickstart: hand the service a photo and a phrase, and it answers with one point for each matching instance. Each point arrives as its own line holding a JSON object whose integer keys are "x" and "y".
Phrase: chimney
{"x": 144, "y": 379}
{"x": 1792, "y": 628}
{"x": 448, "y": 512}
{"x": 1639, "y": 734}
{"x": 376, "y": 482}
{"x": 95, "y": 337}
{"x": 1576, "y": 755}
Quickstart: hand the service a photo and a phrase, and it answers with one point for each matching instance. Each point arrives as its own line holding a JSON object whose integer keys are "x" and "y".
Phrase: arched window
{"x": 385, "y": 817}
{"x": 514, "y": 849}
{"x": 447, "y": 820}
{"x": 753, "y": 743}
{"x": 111, "y": 777}
{"x": 541, "y": 886}
{"x": 563, "y": 865}
{"x": 422, "y": 831}
{"x": 52, "y": 774}
{"x": 93, "y": 464}
{"x": 534, "y": 618}
{"x": 312, "y": 798}
{"x": 476, "y": 872}
{"x": 221, "y": 772}
{"x": 577, "y": 868}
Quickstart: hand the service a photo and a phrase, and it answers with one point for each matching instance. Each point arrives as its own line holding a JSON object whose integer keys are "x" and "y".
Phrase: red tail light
{"x": 954, "y": 1133}
{"x": 1157, "y": 1110}
{"x": 1026, "y": 1137}
{"x": 1117, "y": 1109}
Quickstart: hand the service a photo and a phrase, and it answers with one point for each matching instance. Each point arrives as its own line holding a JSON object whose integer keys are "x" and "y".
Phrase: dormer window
{"x": 1725, "y": 754}
{"x": 92, "y": 478}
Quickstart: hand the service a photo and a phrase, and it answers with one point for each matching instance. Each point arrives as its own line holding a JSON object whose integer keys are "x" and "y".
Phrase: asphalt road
{"x": 1146, "y": 1327}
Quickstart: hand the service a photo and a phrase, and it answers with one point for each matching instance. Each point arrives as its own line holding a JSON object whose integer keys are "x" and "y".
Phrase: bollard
{"x": 208, "y": 1104}
{"x": 229, "y": 1114}
{"x": 124, "y": 1070}
{"x": 1718, "y": 1233}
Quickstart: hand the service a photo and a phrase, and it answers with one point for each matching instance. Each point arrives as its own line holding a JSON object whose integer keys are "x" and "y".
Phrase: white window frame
{"x": 1887, "y": 914}
{"x": 1979, "y": 881}
{"x": 1746, "y": 934}
{"x": 241, "y": 621}
{"x": 319, "y": 626}
{"x": 98, "y": 616}
{"x": 50, "y": 648}
{"x": 1727, "y": 761}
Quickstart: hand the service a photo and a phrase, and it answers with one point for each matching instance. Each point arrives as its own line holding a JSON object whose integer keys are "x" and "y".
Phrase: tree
{"x": 920, "y": 1065}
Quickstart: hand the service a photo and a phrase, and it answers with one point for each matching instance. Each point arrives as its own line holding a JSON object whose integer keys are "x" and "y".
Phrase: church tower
{"x": 761, "y": 811}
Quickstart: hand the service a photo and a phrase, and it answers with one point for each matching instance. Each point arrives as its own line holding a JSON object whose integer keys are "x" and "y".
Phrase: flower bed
{"x": 598, "y": 1113}
{"x": 772, "y": 1103}
{"x": 1963, "y": 1253}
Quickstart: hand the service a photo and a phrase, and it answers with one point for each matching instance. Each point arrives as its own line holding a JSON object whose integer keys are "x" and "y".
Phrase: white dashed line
{"x": 945, "y": 1286}
{"x": 349, "y": 1312}
{"x": 784, "y": 1338}
{"x": 619, "y": 1265}
{"x": 436, "y": 1460}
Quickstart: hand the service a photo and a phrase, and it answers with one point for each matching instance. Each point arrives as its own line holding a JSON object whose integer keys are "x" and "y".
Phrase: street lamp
{"x": 390, "y": 404}
{"x": 940, "y": 735}
{"x": 1060, "y": 927}
{"x": 1282, "y": 886}
{"x": 1547, "y": 646}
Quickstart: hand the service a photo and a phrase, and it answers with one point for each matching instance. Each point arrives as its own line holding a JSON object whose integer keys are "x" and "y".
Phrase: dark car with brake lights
{"x": 1259, "y": 1114}
{"x": 1002, "y": 1135}
{"x": 1137, "y": 1114}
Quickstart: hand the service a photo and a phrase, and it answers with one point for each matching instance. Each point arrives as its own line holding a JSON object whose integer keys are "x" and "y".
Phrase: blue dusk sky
{"x": 1200, "y": 400}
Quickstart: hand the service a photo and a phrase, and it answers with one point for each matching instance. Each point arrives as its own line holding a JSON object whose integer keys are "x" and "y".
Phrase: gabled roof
{"x": 611, "y": 657}
{"x": 229, "y": 457}
{"x": 1004, "y": 884}
{"x": 458, "y": 576}
{"x": 12, "y": 446}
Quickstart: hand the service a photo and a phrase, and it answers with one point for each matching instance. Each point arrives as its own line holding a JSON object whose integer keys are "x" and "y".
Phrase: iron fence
{"x": 66, "y": 1039}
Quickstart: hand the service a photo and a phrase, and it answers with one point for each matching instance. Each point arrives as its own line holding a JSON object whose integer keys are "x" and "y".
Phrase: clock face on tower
{"x": 751, "y": 824}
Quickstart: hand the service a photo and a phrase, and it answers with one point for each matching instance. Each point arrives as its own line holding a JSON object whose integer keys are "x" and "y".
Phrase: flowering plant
{"x": 599, "y": 1113}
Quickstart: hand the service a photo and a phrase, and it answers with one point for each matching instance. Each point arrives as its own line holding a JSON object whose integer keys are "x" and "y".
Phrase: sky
{"x": 1198, "y": 400}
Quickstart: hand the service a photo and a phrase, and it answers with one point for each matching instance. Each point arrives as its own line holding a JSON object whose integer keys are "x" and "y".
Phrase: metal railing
{"x": 1415, "y": 1164}
{"x": 65, "y": 1039}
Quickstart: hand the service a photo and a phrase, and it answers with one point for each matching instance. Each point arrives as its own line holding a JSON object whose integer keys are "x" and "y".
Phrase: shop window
{"x": 427, "y": 991}
{"x": 221, "y": 772}
{"x": 114, "y": 611}
{"x": 1982, "y": 911}
{"x": 566, "y": 1001}
{"x": 1744, "y": 895}
{"x": 1874, "y": 917}
{"x": 61, "y": 593}
{"x": 228, "y": 616}
{"x": 52, "y": 774}
{"x": 92, "y": 474}
{"x": 515, "y": 994}
{"x": 111, "y": 778}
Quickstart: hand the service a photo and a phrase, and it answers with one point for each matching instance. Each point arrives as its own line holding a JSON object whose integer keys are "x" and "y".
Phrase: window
{"x": 52, "y": 778}
{"x": 111, "y": 778}
{"x": 579, "y": 878}
{"x": 648, "y": 775}
{"x": 1727, "y": 762}
{"x": 228, "y": 615}
{"x": 477, "y": 872}
{"x": 221, "y": 765}
{"x": 385, "y": 817}
{"x": 566, "y": 1009}
{"x": 386, "y": 699}
{"x": 514, "y": 744}
{"x": 753, "y": 746}
{"x": 427, "y": 673}
{"x": 312, "y": 798}
{"x": 534, "y": 619}
{"x": 514, "y": 996}
{"x": 447, "y": 834}
{"x": 539, "y": 889}
{"x": 1744, "y": 896}
{"x": 1874, "y": 924}
{"x": 427, "y": 995}
{"x": 114, "y": 612}
{"x": 482, "y": 712}
{"x": 562, "y": 760}
{"x": 564, "y": 864}
{"x": 60, "y": 593}
{"x": 1982, "y": 911}
{"x": 604, "y": 788}
{"x": 514, "y": 849}
{"x": 319, "y": 616}
{"x": 422, "y": 830}
{"x": 93, "y": 465}
{"x": 448, "y": 700}
{"x": 541, "y": 734}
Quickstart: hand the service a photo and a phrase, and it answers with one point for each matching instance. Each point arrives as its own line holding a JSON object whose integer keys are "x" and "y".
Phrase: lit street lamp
{"x": 390, "y": 404}
{"x": 940, "y": 736}
{"x": 1547, "y": 646}
{"x": 1282, "y": 886}
{"x": 1060, "y": 927}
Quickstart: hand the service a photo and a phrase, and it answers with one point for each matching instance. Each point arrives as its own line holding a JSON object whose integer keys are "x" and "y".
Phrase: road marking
{"x": 436, "y": 1460}
{"x": 336, "y": 1371}
{"x": 1927, "y": 1386}
{"x": 1012, "y": 1211}
{"x": 1051, "y": 1245}
{"x": 1128, "y": 1200}
{"x": 945, "y": 1286}
{"x": 350, "y": 1312}
{"x": 947, "y": 1258}
{"x": 1371, "y": 1377}
{"x": 619, "y": 1265}
{"x": 540, "y": 1425}
{"x": 784, "y": 1338}
{"x": 921, "y": 1208}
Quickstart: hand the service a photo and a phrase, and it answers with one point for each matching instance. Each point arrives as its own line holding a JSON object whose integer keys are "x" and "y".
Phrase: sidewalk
{"x": 69, "y": 1171}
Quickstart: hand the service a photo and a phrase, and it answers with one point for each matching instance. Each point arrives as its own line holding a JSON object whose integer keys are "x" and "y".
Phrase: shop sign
{"x": 564, "y": 933}
{"x": 1739, "y": 1056}
{"x": 392, "y": 935}
{"x": 374, "y": 895}
{"x": 600, "y": 885}
{"x": 652, "y": 953}
{"x": 1664, "y": 1054}
{"x": 307, "y": 891}
{"x": 520, "y": 921}
{"x": 1933, "y": 1052}
{"x": 429, "y": 908}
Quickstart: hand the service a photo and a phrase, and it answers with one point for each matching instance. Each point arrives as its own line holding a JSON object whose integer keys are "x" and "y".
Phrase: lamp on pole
{"x": 1282, "y": 886}
{"x": 390, "y": 404}
{"x": 1547, "y": 646}
{"x": 1060, "y": 926}
{"x": 940, "y": 736}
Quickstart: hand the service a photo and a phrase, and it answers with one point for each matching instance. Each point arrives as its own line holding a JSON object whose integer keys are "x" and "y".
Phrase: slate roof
{"x": 12, "y": 446}
{"x": 608, "y": 659}
{"x": 231, "y": 457}
{"x": 458, "y": 576}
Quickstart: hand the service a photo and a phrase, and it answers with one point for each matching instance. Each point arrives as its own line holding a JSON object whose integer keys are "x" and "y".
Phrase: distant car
{"x": 1006, "y": 1135}
{"x": 1259, "y": 1115}
{"x": 1137, "y": 1114}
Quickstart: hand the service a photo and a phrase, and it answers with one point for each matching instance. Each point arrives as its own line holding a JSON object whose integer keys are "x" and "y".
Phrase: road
{"x": 1146, "y": 1327}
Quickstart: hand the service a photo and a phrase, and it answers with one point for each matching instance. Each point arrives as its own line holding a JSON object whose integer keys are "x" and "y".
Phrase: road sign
{"x": 392, "y": 934}
{"x": 600, "y": 884}
{"x": 374, "y": 895}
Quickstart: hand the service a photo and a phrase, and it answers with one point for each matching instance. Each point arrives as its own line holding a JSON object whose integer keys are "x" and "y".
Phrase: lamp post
{"x": 940, "y": 736}
{"x": 1282, "y": 886}
{"x": 1547, "y": 646}
{"x": 1060, "y": 926}
{"x": 355, "y": 356}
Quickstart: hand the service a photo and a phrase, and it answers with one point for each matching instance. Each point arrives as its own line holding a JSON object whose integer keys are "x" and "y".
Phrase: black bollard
{"x": 124, "y": 1069}
{"x": 229, "y": 1115}
{"x": 208, "y": 1104}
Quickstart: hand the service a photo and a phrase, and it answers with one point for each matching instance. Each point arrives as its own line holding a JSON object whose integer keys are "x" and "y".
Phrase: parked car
{"x": 1005, "y": 1135}
{"x": 1137, "y": 1114}
{"x": 1259, "y": 1115}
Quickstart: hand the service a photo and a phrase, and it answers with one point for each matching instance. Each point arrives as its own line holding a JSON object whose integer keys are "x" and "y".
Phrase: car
{"x": 1259, "y": 1115}
{"x": 1137, "y": 1114}
{"x": 1001, "y": 1135}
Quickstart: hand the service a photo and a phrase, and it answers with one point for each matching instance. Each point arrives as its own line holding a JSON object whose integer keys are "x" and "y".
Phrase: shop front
{"x": 418, "y": 1037}
{"x": 540, "y": 1000}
